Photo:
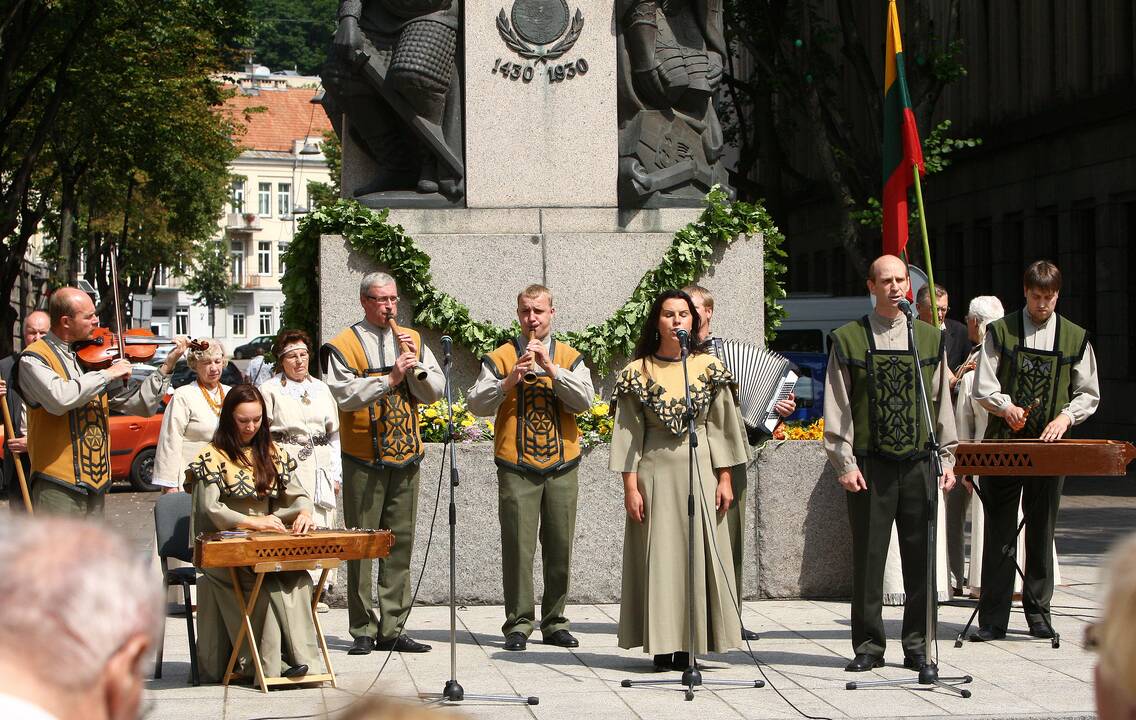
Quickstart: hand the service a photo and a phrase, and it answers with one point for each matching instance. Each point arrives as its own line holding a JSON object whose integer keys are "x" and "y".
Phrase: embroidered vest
{"x": 1028, "y": 375}
{"x": 386, "y": 432}
{"x": 886, "y": 416}
{"x": 668, "y": 402}
{"x": 72, "y": 449}
{"x": 533, "y": 432}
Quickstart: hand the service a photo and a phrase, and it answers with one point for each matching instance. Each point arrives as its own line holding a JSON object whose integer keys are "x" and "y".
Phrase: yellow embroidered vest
{"x": 386, "y": 432}
{"x": 533, "y": 432}
{"x": 213, "y": 466}
{"x": 71, "y": 449}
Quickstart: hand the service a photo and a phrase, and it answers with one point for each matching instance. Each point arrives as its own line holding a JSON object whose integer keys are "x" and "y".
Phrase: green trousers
{"x": 735, "y": 522}
{"x": 50, "y": 498}
{"x": 528, "y": 502}
{"x": 380, "y": 498}
{"x": 897, "y": 492}
{"x": 1040, "y": 498}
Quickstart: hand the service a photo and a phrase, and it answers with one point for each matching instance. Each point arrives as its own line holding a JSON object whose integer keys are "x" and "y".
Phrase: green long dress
{"x": 650, "y": 440}
{"x": 224, "y": 495}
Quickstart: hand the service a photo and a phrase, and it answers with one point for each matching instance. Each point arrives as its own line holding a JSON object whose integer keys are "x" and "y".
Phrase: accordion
{"x": 763, "y": 378}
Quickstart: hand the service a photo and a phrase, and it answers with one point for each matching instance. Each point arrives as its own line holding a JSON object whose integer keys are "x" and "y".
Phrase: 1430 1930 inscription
{"x": 514, "y": 71}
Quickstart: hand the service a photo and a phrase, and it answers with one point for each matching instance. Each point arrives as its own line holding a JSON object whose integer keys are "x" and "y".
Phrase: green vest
{"x": 1028, "y": 375}
{"x": 886, "y": 416}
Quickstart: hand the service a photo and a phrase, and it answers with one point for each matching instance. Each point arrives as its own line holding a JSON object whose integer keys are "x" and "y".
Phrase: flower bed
{"x": 595, "y": 423}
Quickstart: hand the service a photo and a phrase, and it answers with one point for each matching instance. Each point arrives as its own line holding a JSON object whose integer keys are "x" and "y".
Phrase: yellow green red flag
{"x": 901, "y": 148}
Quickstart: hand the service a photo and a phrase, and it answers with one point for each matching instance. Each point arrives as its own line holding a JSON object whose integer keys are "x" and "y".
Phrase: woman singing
{"x": 650, "y": 447}
{"x": 244, "y": 481}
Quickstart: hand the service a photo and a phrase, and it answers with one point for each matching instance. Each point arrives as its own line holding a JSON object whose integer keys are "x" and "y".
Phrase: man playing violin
{"x": 377, "y": 376}
{"x": 67, "y": 408}
{"x": 535, "y": 385}
{"x": 1037, "y": 376}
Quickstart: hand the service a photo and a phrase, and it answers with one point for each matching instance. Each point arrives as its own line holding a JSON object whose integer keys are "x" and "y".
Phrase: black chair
{"x": 171, "y": 527}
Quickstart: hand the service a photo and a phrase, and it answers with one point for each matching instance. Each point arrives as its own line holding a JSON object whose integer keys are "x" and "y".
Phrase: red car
{"x": 133, "y": 443}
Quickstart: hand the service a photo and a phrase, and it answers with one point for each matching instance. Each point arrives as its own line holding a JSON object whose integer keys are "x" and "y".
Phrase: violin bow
{"x": 120, "y": 330}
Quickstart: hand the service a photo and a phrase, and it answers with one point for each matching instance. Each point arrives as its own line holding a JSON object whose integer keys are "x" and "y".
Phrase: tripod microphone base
{"x": 453, "y": 693}
{"x": 928, "y": 676}
{"x": 692, "y": 678}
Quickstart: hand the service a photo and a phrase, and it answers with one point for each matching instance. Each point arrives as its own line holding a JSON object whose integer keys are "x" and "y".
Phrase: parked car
{"x": 250, "y": 349}
{"x": 133, "y": 444}
{"x": 182, "y": 375}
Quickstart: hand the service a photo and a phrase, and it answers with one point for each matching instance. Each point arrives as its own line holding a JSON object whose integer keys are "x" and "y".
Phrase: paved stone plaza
{"x": 803, "y": 648}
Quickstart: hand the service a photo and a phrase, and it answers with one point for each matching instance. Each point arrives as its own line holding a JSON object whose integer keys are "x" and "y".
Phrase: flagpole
{"x": 931, "y": 294}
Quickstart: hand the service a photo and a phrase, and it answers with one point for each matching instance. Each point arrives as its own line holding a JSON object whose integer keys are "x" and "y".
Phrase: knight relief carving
{"x": 393, "y": 83}
{"x": 671, "y": 56}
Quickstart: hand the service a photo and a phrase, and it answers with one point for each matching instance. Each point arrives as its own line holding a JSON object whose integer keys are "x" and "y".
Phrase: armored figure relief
{"x": 393, "y": 74}
{"x": 671, "y": 55}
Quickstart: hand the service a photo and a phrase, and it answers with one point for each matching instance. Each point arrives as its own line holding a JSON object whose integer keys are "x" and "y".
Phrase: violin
{"x": 103, "y": 347}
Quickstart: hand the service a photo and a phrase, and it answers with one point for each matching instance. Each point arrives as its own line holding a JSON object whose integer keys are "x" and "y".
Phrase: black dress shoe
{"x": 362, "y": 646}
{"x": 663, "y": 662}
{"x": 402, "y": 644}
{"x": 295, "y": 671}
{"x": 749, "y": 635}
{"x": 562, "y": 638}
{"x": 864, "y": 662}
{"x": 914, "y": 661}
{"x": 515, "y": 641}
{"x": 987, "y": 634}
{"x": 1040, "y": 630}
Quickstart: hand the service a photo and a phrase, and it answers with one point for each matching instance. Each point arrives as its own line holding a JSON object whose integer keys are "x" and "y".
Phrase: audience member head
{"x": 983, "y": 310}
{"x": 293, "y": 350}
{"x": 36, "y": 325}
{"x": 208, "y": 363}
{"x": 1114, "y": 636}
{"x": 1042, "y": 286}
{"x": 923, "y": 304}
{"x": 72, "y": 314}
{"x": 80, "y": 615}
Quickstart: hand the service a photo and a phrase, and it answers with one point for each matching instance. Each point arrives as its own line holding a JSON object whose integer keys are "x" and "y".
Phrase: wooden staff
{"x": 420, "y": 373}
{"x": 10, "y": 432}
{"x": 530, "y": 376}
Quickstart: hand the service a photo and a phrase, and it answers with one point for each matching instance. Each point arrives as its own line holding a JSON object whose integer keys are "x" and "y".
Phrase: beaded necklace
{"x": 214, "y": 405}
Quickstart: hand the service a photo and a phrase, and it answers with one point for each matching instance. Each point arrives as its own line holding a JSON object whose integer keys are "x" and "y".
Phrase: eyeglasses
{"x": 384, "y": 300}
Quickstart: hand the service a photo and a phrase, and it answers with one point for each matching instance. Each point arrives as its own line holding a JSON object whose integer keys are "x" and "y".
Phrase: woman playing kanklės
{"x": 650, "y": 448}
{"x": 244, "y": 481}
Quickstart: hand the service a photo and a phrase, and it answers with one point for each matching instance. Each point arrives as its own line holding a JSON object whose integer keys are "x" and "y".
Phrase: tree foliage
{"x": 209, "y": 281}
{"x": 809, "y": 116}
{"x": 110, "y": 136}
{"x": 293, "y": 34}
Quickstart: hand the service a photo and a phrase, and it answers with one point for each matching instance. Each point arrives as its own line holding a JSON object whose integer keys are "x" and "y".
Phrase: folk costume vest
{"x": 665, "y": 397}
{"x": 886, "y": 417}
{"x": 533, "y": 431}
{"x": 71, "y": 449}
{"x": 1028, "y": 375}
{"x": 234, "y": 479}
{"x": 386, "y": 432}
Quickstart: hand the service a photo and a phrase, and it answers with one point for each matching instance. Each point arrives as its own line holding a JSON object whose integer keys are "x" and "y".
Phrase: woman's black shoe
{"x": 663, "y": 662}
{"x": 295, "y": 671}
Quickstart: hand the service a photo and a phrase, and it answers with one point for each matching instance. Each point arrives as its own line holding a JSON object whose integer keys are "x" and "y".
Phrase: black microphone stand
{"x": 929, "y": 673}
{"x": 691, "y": 676}
{"x": 453, "y": 691}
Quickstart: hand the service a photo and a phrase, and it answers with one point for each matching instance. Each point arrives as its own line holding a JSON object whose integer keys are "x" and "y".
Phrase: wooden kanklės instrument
{"x": 1034, "y": 457}
{"x": 248, "y": 548}
{"x": 420, "y": 373}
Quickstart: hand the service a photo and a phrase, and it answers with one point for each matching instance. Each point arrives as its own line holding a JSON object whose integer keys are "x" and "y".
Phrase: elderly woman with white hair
{"x": 1114, "y": 636}
{"x": 191, "y": 416}
{"x": 970, "y": 421}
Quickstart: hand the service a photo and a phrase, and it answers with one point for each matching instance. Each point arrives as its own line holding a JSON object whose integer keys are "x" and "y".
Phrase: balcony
{"x": 242, "y": 222}
{"x": 260, "y": 282}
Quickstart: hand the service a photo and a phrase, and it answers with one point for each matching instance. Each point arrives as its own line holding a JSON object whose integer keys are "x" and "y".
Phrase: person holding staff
{"x": 535, "y": 387}
{"x": 377, "y": 377}
{"x": 650, "y": 448}
{"x": 36, "y": 325}
{"x": 244, "y": 481}
{"x": 1032, "y": 357}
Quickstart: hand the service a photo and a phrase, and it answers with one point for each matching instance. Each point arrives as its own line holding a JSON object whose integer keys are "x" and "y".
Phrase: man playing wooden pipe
{"x": 1031, "y": 357}
{"x": 537, "y": 449}
{"x": 67, "y": 408}
{"x": 371, "y": 373}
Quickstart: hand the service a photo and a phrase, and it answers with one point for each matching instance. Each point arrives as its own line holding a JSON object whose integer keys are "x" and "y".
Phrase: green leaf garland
{"x": 369, "y": 233}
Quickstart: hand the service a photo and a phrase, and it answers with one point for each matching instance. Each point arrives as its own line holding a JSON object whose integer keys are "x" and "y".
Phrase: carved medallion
{"x": 540, "y": 29}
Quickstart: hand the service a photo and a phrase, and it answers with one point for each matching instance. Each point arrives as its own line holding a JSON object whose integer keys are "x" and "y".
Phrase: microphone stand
{"x": 929, "y": 673}
{"x": 453, "y": 691}
{"x": 691, "y": 676}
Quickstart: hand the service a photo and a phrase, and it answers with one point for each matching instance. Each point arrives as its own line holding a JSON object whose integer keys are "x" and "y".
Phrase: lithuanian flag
{"x": 901, "y": 140}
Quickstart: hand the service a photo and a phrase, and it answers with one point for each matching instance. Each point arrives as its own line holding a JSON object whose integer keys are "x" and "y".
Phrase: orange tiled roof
{"x": 287, "y": 116}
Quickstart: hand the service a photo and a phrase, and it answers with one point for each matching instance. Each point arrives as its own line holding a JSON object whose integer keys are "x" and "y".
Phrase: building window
{"x": 264, "y": 199}
{"x": 237, "y": 323}
{"x": 265, "y": 317}
{"x": 237, "y": 260}
{"x": 264, "y": 258}
{"x": 181, "y": 321}
{"x": 237, "y": 196}
{"x": 281, "y": 251}
{"x": 284, "y": 199}
{"x": 162, "y": 276}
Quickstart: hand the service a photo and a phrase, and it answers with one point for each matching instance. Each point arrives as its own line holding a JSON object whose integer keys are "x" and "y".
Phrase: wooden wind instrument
{"x": 420, "y": 373}
{"x": 530, "y": 376}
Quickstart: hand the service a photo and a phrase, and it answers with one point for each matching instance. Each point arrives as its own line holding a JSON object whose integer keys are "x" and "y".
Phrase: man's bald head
{"x": 72, "y": 314}
{"x": 36, "y": 325}
{"x": 886, "y": 262}
{"x": 64, "y": 302}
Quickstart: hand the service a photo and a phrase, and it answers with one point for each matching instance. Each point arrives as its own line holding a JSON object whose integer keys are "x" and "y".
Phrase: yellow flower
{"x": 430, "y": 412}
{"x": 600, "y": 409}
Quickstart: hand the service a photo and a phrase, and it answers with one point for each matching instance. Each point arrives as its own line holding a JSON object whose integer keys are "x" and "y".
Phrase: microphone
{"x": 905, "y": 306}
{"x": 447, "y": 350}
{"x": 683, "y": 340}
